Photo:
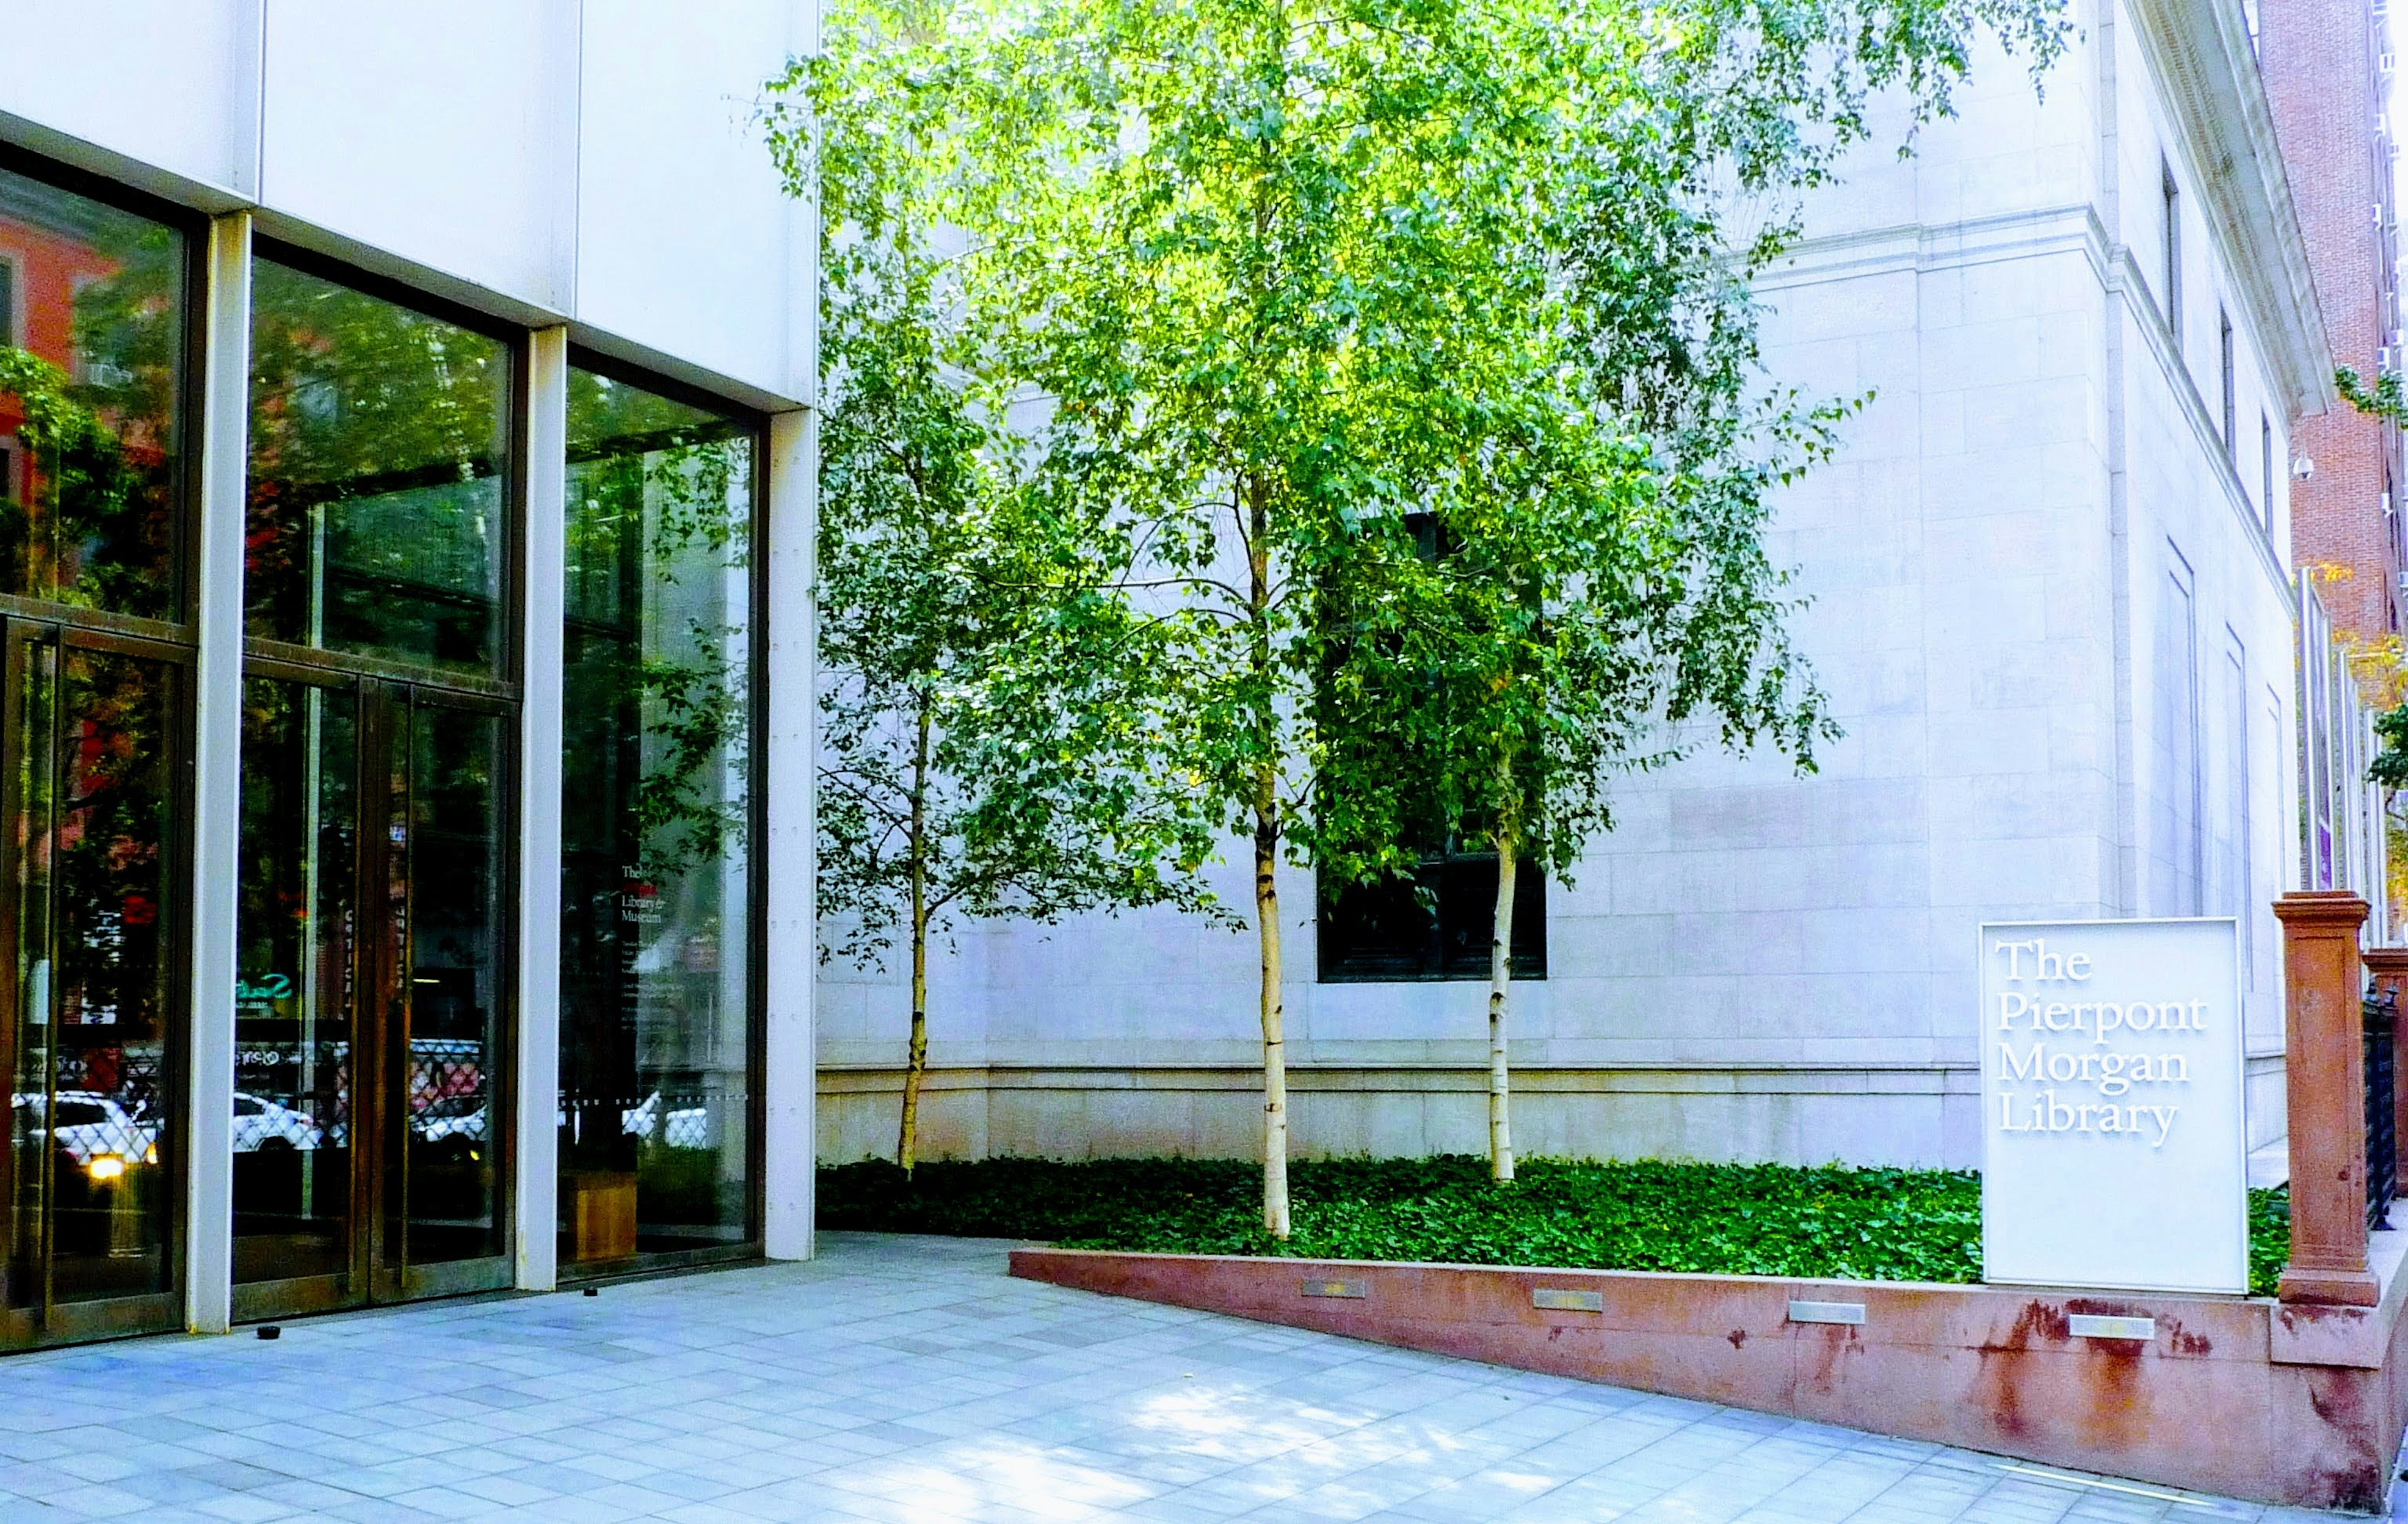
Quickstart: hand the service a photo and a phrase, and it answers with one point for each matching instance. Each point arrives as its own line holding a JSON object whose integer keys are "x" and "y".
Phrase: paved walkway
{"x": 908, "y": 1379}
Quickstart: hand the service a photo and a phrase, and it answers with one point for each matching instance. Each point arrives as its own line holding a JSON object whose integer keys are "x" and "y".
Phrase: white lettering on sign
{"x": 2112, "y": 1149}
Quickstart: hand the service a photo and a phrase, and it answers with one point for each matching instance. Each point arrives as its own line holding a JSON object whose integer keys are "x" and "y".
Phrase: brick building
{"x": 2327, "y": 66}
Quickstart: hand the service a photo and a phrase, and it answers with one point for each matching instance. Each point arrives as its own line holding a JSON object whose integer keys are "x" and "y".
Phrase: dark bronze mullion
{"x": 120, "y": 643}
{"x": 12, "y": 801}
{"x": 402, "y": 762}
{"x": 175, "y": 942}
{"x": 163, "y": 634}
{"x": 331, "y": 666}
{"x": 365, "y": 1116}
{"x": 501, "y": 1049}
{"x": 372, "y": 939}
{"x": 49, "y": 837}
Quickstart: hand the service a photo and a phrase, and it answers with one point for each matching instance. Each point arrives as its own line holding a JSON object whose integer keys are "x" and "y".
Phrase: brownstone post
{"x": 2389, "y": 967}
{"x": 2326, "y": 1080}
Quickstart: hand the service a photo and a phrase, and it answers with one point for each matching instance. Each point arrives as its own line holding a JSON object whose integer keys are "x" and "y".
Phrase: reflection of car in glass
{"x": 688, "y": 1127}
{"x": 262, "y": 1126}
{"x": 449, "y": 1116}
{"x": 451, "y": 1128}
{"x": 96, "y": 1132}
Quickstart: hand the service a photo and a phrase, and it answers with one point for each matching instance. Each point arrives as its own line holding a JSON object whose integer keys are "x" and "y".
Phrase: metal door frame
{"x": 48, "y": 1320}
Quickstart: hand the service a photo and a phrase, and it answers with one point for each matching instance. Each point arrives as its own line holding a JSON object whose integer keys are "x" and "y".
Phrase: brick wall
{"x": 2319, "y": 59}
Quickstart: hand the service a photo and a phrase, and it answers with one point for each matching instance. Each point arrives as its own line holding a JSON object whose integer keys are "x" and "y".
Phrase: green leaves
{"x": 1153, "y": 332}
{"x": 1265, "y": 281}
{"x": 1720, "y": 1220}
{"x": 979, "y": 753}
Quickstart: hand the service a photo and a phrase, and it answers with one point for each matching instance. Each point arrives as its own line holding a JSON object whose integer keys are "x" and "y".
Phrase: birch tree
{"x": 1283, "y": 274}
{"x": 975, "y": 759}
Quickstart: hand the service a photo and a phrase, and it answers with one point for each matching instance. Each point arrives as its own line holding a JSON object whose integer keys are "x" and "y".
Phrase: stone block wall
{"x": 1761, "y": 964}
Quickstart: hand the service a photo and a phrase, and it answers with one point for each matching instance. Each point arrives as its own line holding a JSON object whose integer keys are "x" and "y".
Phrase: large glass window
{"x": 292, "y": 1002}
{"x": 92, "y": 345}
{"x": 656, "y": 894}
{"x": 90, "y": 805}
{"x": 379, "y": 437}
{"x": 92, "y": 715}
{"x": 375, "y": 1020}
{"x": 1437, "y": 924}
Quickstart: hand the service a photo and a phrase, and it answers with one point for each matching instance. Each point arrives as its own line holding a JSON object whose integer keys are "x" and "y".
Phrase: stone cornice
{"x": 2202, "y": 51}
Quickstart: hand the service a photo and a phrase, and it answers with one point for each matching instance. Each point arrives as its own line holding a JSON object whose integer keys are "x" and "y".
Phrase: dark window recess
{"x": 1437, "y": 924}
{"x": 2266, "y": 471}
{"x": 2172, "y": 197}
{"x": 7, "y": 305}
{"x": 2225, "y": 363}
{"x": 1434, "y": 925}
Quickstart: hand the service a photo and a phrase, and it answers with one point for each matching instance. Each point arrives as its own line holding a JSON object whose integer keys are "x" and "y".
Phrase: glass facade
{"x": 376, "y": 870}
{"x": 378, "y": 441}
{"x": 92, "y": 797}
{"x": 657, "y": 866}
{"x": 374, "y": 1004}
{"x": 293, "y": 1000}
{"x": 91, "y": 402}
{"x": 93, "y": 422}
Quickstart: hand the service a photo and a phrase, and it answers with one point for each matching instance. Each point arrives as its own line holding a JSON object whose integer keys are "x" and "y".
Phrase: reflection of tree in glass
{"x": 89, "y": 536}
{"x": 108, "y": 881}
{"x": 377, "y": 439}
{"x": 97, "y": 412}
{"x": 660, "y": 511}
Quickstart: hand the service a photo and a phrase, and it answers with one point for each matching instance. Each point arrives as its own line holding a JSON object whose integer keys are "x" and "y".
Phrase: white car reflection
{"x": 449, "y": 1116}
{"x": 95, "y": 1130}
{"x": 687, "y": 1127}
{"x": 261, "y": 1124}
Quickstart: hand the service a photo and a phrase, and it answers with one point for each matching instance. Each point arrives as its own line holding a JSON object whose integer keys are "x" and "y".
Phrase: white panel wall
{"x": 173, "y": 83}
{"x": 601, "y": 159}
{"x": 443, "y": 130}
{"x": 685, "y": 243}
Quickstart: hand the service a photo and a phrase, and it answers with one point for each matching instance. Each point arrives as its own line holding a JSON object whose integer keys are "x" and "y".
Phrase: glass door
{"x": 89, "y": 987}
{"x": 96, "y": 394}
{"x": 376, "y": 964}
{"x": 370, "y": 1084}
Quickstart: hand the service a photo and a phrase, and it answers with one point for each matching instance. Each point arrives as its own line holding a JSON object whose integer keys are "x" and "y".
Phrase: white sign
{"x": 2113, "y": 1150}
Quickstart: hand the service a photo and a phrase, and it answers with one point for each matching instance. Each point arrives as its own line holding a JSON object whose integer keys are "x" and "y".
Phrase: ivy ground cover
{"x": 1830, "y": 1222}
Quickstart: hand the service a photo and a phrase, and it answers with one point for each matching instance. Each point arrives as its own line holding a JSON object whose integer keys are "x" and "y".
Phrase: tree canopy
{"x": 1267, "y": 285}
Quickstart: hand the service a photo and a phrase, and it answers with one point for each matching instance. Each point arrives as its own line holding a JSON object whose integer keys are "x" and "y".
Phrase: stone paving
{"x": 909, "y": 1379}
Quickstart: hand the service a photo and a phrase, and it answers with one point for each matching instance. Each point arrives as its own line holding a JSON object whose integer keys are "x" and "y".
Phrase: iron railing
{"x": 2381, "y": 1142}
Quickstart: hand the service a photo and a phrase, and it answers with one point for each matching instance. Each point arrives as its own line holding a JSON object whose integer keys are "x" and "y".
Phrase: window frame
{"x": 1529, "y": 966}
{"x": 508, "y": 680}
{"x": 173, "y": 641}
{"x": 183, "y": 626}
{"x": 756, "y": 835}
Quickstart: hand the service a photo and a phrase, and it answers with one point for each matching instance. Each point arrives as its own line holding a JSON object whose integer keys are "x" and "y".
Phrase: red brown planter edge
{"x": 2299, "y": 1405}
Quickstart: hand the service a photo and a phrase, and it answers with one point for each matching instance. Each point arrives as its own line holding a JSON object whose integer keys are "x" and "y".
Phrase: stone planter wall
{"x": 2282, "y": 1403}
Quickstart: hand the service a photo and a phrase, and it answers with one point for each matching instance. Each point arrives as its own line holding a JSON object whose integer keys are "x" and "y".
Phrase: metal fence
{"x": 2381, "y": 1142}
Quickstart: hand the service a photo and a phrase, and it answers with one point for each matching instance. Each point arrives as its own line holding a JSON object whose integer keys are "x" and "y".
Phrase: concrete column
{"x": 537, "y": 1172}
{"x": 2389, "y": 968}
{"x": 217, "y": 778}
{"x": 791, "y": 1060}
{"x": 2327, "y": 1084}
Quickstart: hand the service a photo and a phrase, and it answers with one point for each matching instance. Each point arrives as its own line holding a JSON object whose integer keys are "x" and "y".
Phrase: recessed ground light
{"x": 593, "y": 1290}
{"x": 269, "y": 1330}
